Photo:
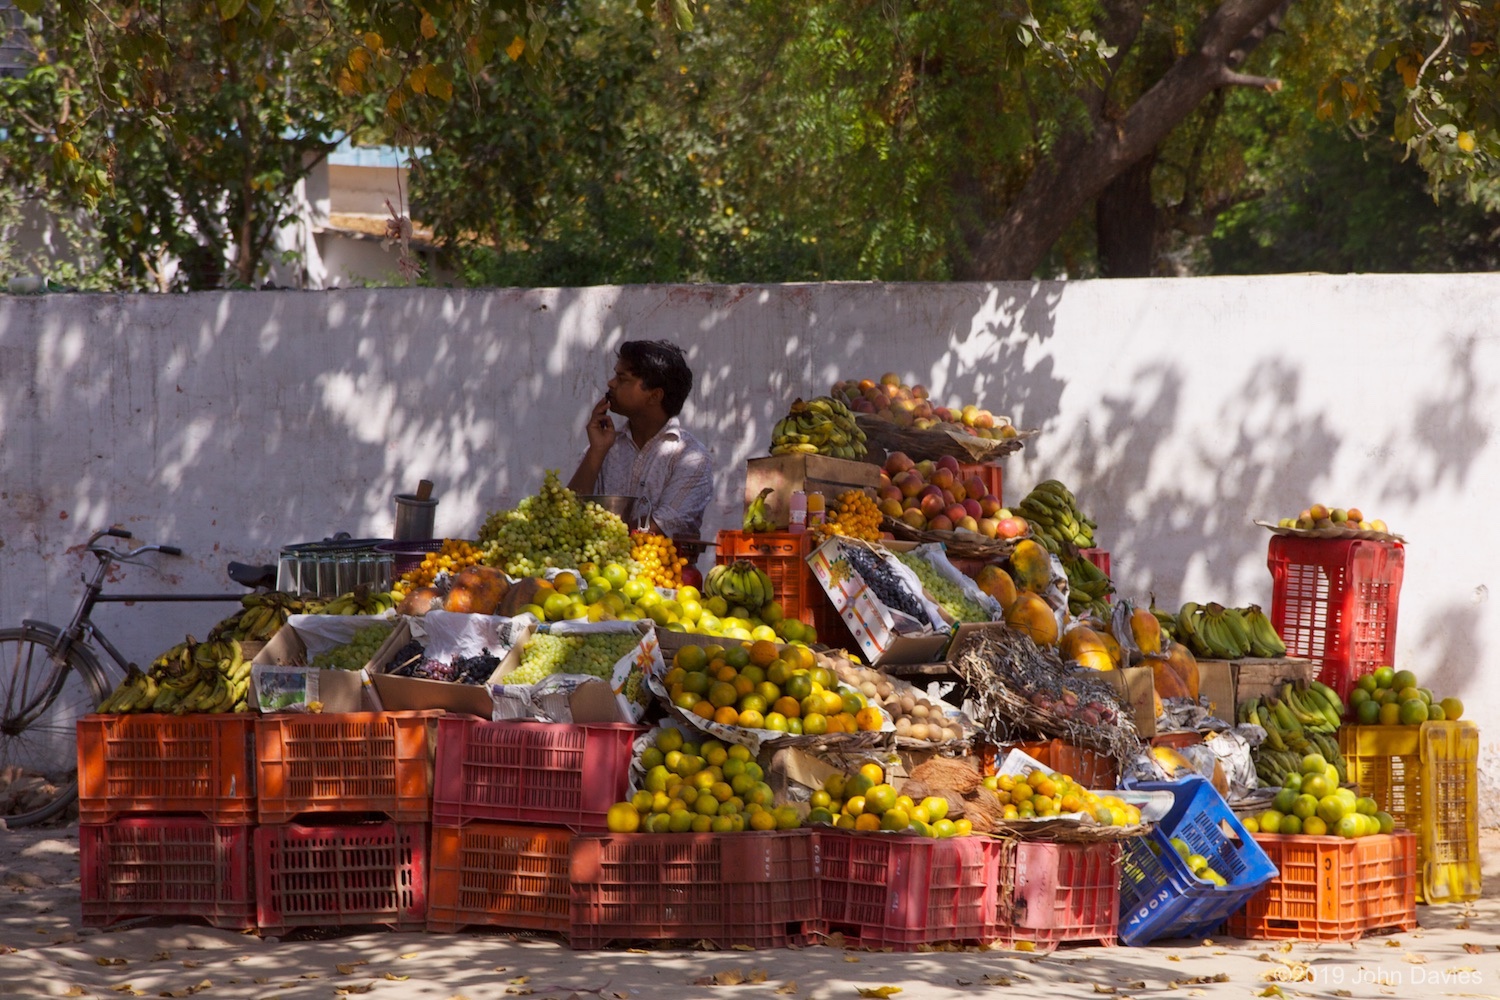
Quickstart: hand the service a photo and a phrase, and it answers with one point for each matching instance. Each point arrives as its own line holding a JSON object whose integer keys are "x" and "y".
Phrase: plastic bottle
{"x": 798, "y": 507}
{"x": 815, "y": 510}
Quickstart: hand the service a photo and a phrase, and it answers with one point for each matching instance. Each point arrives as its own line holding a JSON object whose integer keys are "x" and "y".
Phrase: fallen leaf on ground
{"x": 1271, "y": 991}
{"x": 414, "y": 954}
{"x": 787, "y": 989}
{"x": 191, "y": 963}
{"x": 344, "y": 991}
{"x": 998, "y": 979}
{"x": 262, "y": 980}
{"x": 1290, "y": 972}
{"x": 498, "y": 968}
{"x": 879, "y": 991}
{"x": 1284, "y": 946}
{"x": 1392, "y": 942}
{"x": 1413, "y": 959}
{"x": 1473, "y": 949}
{"x": 1222, "y": 977}
{"x": 311, "y": 975}
{"x": 162, "y": 956}
{"x": 964, "y": 982}
{"x": 395, "y": 978}
{"x": 521, "y": 980}
{"x": 850, "y": 958}
{"x": 637, "y": 951}
{"x": 101, "y": 960}
{"x": 128, "y": 988}
{"x": 1174, "y": 958}
{"x": 1342, "y": 993}
{"x": 347, "y": 968}
{"x": 1101, "y": 988}
{"x": 76, "y": 991}
{"x": 1462, "y": 925}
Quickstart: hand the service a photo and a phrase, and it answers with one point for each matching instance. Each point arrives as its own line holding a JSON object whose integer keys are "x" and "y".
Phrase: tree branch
{"x": 1229, "y": 78}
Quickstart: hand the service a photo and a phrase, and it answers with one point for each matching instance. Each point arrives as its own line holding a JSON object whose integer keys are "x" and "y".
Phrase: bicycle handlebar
{"x": 169, "y": 550}
{"x": 117, "y": 533}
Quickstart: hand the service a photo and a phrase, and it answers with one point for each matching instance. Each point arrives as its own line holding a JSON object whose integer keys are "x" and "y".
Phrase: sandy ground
{"x": 45, "y": 951}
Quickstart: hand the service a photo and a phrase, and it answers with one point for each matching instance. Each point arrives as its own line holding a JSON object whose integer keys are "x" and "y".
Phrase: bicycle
{"x": 51, "y": 677}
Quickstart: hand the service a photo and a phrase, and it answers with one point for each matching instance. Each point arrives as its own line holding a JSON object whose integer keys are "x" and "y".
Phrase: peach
{"x": 914, "y": 517}
{"x": 989, "y": 527}
{"x": 897, "y": 462}
{"x": 933, "y": 505}
{"x": 890, "y": 507}
{"x": 967, "y": 524}
{"x": 1012, "y": 527}
{"x": 950, "y": 463}
{"x": 956, "y": 512}
{"x": 975, "y": 487}
{"x": 989, "y": 505}
{"x": 974, "y": 509}
{"x": 919, "y": 391}
{"x": 942, "y": 478}
{"x": 940, "y": 523}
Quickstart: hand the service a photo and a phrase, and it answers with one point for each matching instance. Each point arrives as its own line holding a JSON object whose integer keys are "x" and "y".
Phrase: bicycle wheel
{"x": 39, "y": 713}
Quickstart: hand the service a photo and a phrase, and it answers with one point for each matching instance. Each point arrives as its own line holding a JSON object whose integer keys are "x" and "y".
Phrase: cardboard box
{"x": 814, "y": 473}
{"x": 1259, "y": 678}
{"x": 283, "y": 662}
{"x": 418, "y": 694}
{"x": 1216, "y": 688}
{"x": 593, "y": 700}
{"x": 882, "y": 638}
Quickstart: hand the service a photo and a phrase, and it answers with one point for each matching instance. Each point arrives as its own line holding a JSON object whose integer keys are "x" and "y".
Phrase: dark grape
{"x": 883, "y": 581}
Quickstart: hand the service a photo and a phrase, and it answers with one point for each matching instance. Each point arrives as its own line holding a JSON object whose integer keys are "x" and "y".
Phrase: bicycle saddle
{"x": 252, "y": 576}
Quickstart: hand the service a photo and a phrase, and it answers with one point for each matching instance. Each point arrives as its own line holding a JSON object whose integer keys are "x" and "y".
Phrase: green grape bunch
{"x": 594, "y": 654}
{"x": 943, "y": 591}
{"x": 553, "y": 529}
{"x": 357, "y": 651}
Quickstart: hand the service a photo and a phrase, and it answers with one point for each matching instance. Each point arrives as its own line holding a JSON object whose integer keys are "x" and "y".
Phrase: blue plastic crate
{"x": 1160, "y": 897}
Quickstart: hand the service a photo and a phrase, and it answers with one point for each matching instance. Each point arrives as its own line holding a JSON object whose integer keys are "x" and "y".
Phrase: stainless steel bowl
{"x": 621, "y": 506}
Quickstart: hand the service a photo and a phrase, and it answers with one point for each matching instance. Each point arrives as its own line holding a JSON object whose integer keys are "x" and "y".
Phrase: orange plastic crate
{"x": 1050, "y": 893}
{"x": 756, "y": 890}
{"x": 500, "y": 875}
{"x": 154, "y": 763}
{"x": 1332, "y": 889}
{"x": 782, "y": 555}
{"x": 1087, "y": 767}
{"x": 360, "y": 762}
{"x": 992, "y": 473}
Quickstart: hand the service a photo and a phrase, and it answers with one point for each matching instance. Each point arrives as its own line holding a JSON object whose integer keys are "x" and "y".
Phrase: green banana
{"x": 1330, "y": 695}
{"x": 755, "y": 515}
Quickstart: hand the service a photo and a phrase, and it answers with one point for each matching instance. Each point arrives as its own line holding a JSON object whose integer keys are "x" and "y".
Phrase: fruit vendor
{"x": 653, "y": 456}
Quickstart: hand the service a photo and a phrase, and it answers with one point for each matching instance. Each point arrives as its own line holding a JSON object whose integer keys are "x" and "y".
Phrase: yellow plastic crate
{"x": 1425, "y": 777}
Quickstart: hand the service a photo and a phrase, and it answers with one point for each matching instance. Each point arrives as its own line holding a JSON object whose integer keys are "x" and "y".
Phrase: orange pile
{"x": 1040, "y": 795}
{"x": 760, "y": 685}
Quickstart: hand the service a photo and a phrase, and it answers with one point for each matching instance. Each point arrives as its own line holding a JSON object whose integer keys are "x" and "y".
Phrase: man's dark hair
{"x": 660, "y": 364}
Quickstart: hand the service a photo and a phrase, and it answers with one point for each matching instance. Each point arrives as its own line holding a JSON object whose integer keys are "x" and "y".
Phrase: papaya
{"x": 1031, "y": 566}
{"x": 477, "y": 590}
{"x": 1032, "y": 615}
{"x": 1165, "y": 679}
{"x": 1182, "y": 660}
{"x": 997, "y": 583}
{"x": 1078, "y": 640}
{"x": 1146, "y": 631}
{"x": 419, "y": 602}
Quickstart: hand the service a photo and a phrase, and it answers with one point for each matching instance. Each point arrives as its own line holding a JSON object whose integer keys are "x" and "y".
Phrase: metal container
{"x": 414, "y": 518}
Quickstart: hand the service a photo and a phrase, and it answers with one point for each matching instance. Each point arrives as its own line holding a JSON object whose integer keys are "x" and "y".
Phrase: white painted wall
{"x": 1179, "y": 410}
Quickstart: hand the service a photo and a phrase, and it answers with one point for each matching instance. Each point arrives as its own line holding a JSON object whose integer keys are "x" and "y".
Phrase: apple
{"x": 898, "y": 462}
{"x": 862, "y": 406}
{"x": 974, "y": 486}
{"x": 910, "y": 483}
{"x": 950, "y": 463}
{"x": 925, "y": 468}
{"x": 959, "y": 493}
{"x": 1012, "y": 527}
{"x": 976, "y": 511}
{"x": 890, "y": 492}
{"x": 942, "y": 478}
{"x": 989, "y": 505}
{"x": 940, "y": 523}
{"x": 955, "y": 512}
{"x": 932, "y": 505}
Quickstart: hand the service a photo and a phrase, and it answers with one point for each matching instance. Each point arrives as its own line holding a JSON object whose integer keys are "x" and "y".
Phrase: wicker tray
{"x": 936, "y": 443}
{"x": 958, "y": 544}
{"x": 1066, "y": 830}
{"x": 1373, "y": 536}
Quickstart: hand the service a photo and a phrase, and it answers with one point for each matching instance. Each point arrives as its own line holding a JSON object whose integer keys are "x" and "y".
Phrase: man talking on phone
{"x": 652, "y": 456}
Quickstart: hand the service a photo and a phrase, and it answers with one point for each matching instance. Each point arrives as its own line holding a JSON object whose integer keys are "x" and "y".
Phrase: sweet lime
{"x": 1413, "y": 712}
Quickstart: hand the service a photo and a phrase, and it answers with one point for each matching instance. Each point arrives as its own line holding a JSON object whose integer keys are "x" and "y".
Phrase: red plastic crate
{"x": 1089, "y": 768}
{"x": 748, "y": 889}
{"x": 992, "y": 474}
{"x": 897, "y": 891}
{"x": 1334, "y": 601}
{"x": 498, "y": 875}
{"x": 341, "y": 875}
{"x": 1049, "y": 893}
{"x": 362, "y": 762}
{"x": 157, "y": 763}
{"x": 1332, "y": 889}
{"x": 530, "y": 772}
{"x": 1099, "y": 557}
{"x": 166, "y": 866}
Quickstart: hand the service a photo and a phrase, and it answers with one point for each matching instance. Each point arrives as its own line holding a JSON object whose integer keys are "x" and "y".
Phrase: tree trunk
{"x": 1082, "y": 165}
{"x": 1125, "y": 223}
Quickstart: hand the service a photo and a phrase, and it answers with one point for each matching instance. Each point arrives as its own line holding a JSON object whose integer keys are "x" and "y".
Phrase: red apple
{"x": 1012, "y": 527}
{"x": 975, "y": 487}
{"x": 940, "y": 523}
{"x": 862, "y": 406}
{"x": 956, "y": 512}
{"x": 932, "y": 505}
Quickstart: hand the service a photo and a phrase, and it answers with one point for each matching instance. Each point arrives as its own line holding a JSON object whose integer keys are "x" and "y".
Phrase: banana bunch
{"x": 262, "y": 615}
{"x": 360, "y": 601}
{"x": 1088, "y": 586}
{"x": 1214, "y": 632}
{"x": 741, "y": 583}
{"x": 1168, "y": 622}
{"x": 210, "y": 677}
{"x": 1056, "y": 522}
{"x": 755, "y": 515}
{"x": 822, "y": 426}
{"x": 1300, "y": 721}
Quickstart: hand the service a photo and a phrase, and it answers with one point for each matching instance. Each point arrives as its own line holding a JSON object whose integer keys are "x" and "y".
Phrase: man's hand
{"x": 601, "y": 428}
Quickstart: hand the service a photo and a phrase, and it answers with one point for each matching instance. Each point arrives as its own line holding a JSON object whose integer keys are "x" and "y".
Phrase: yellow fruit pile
{"x": 452, "y": 557}
{"x": 1391, "y": 697}
{"x": 760, "y": 685}
{"x": 854, "y": 515}
{"x": 864, "y": 801}
{"x": 1312, "y": 803}
{"x": 699, "y": 788}
{"x": 1197, "y": 863}
{"x": 1041, "y": 795}
{"x": 658, "y": 563}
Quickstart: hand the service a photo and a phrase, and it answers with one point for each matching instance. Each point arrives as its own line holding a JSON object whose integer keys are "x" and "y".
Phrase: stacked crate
{"x": 508, "y": 799}
{"x": 344, "y": 808}
{"x": 166, "y": 808}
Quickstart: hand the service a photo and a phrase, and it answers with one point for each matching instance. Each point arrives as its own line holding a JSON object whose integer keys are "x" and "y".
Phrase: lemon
{"x": 622, "y": 817}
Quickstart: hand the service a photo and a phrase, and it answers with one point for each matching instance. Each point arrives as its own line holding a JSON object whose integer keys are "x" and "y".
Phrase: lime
{"x": 1270, "y": 821}
{"x": 1453, "y": 709}
{"x": 1413, "y": 712}
{"x": 1314, "y": 763}
{"x": 1384, "y": 676}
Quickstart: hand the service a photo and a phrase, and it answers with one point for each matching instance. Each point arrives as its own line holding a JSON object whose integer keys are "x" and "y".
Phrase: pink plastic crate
{"x": 341, "y": 875}
{"x": 756, "y": 890}
{"x": 530, "y": 772}
{"x": 1049, "y": 893}
{"x": 897, "y": 891}
{"x": 166, "y": 866}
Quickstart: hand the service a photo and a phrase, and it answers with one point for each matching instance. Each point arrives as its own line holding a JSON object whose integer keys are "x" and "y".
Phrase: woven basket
{"x": 1371, "y": 536}
{"x": 958, "y": 544}
{"x": 1069, "y": 831}
{"x": 932, "y": 444}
